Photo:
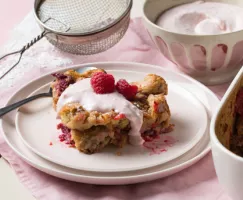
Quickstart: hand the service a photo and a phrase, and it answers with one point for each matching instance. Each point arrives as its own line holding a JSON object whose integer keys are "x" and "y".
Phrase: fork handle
{"x": 11, "y": 107}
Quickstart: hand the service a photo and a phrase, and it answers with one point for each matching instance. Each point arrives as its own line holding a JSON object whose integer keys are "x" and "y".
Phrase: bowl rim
{"x": 213, "y": 136}
{"x": 144, "y": 15}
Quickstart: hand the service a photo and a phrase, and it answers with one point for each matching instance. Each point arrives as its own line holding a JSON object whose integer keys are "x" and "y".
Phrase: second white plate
{"x": 36, "y": 124}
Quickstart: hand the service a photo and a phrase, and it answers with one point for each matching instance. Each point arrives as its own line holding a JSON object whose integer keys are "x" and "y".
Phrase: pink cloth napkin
{"x": 198, "y": 182}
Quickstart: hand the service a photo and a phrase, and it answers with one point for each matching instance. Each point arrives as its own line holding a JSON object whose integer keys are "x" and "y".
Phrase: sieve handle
{"x": 21, "y": 51}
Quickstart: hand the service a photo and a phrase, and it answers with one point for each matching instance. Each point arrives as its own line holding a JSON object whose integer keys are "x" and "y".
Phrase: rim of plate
{"x": 44, "y": 169}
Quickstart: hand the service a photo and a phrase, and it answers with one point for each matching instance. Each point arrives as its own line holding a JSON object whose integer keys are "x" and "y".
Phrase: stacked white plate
{"x": 30, "y": 131}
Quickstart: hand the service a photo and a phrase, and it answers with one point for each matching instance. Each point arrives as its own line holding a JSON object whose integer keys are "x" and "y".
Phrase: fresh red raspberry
{"x": 127, "y": 90}
{"x": 66, "y": 135}
{"x": 62, "y": 82}
{"x": 120, "y": 116}
{"x": 156, "y": 107}
{"x": 103, "y": 83}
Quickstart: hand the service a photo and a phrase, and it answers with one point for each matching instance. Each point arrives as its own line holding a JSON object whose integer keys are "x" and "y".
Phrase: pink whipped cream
{"x": 82, "y": 92}
{"x": 202, "y": 18}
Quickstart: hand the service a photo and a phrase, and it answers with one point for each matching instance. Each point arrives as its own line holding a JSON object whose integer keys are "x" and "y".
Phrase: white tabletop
{"x": 11, "y": 188}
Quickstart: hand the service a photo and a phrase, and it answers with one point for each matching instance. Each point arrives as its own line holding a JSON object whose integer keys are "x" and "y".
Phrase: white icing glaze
{"x": 82, "y": 93}
{"x": 203, "y": 18}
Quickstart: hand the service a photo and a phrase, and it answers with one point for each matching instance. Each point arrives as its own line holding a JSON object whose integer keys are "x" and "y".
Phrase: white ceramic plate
{"x": 209, "y": 100}
{"x": 36, "y": 123}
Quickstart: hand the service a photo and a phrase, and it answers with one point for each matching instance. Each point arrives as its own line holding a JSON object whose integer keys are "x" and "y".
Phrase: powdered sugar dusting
{"x": 41, "y": 55}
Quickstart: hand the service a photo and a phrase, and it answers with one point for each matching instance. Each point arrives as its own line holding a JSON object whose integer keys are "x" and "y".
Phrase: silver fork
{"x": 11, "y": 107}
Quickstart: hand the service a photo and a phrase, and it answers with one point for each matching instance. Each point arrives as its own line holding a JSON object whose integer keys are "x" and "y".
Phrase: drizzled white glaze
{"x": 82, "y": 93}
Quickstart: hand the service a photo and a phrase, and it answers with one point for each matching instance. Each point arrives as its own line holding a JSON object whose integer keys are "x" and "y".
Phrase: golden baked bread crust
{"x": 152, "y": 84}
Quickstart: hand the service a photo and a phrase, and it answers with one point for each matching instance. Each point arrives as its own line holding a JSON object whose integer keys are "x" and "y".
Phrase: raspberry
{"x": 120, "y": 116}
{"x": 66, "y": 135}
{"x": 156, "y": 107}
{"x": 127, "y": 90}
{"x": 59, "y": 75}
{"x": 62, "y": 82}
{"x": 103, "y": 83}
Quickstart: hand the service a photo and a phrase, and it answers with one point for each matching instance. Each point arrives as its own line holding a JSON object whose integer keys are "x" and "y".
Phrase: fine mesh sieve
{"x": 81, "y": 27}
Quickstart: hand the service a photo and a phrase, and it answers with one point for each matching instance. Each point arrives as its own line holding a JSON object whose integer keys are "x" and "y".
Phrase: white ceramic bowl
{"x": 211, "y": 59}
{"x": 229, "y": 166}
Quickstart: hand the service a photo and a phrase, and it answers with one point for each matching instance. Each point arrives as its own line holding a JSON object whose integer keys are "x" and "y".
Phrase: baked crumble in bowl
{"x": 227, "y": 138}
{"x": 97, "y": 120}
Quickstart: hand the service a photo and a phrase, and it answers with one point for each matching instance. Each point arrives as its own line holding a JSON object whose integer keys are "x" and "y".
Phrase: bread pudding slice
{"x": 151, "y": 100}
{"x": 92, "y": 130}
{"x": 156, "y": 115}
{"x": 97, "y": 138}
{"x": 93, "y": 138}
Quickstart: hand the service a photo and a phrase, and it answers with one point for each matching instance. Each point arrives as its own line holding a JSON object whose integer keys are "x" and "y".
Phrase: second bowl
{"x": 211, "y": 59}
